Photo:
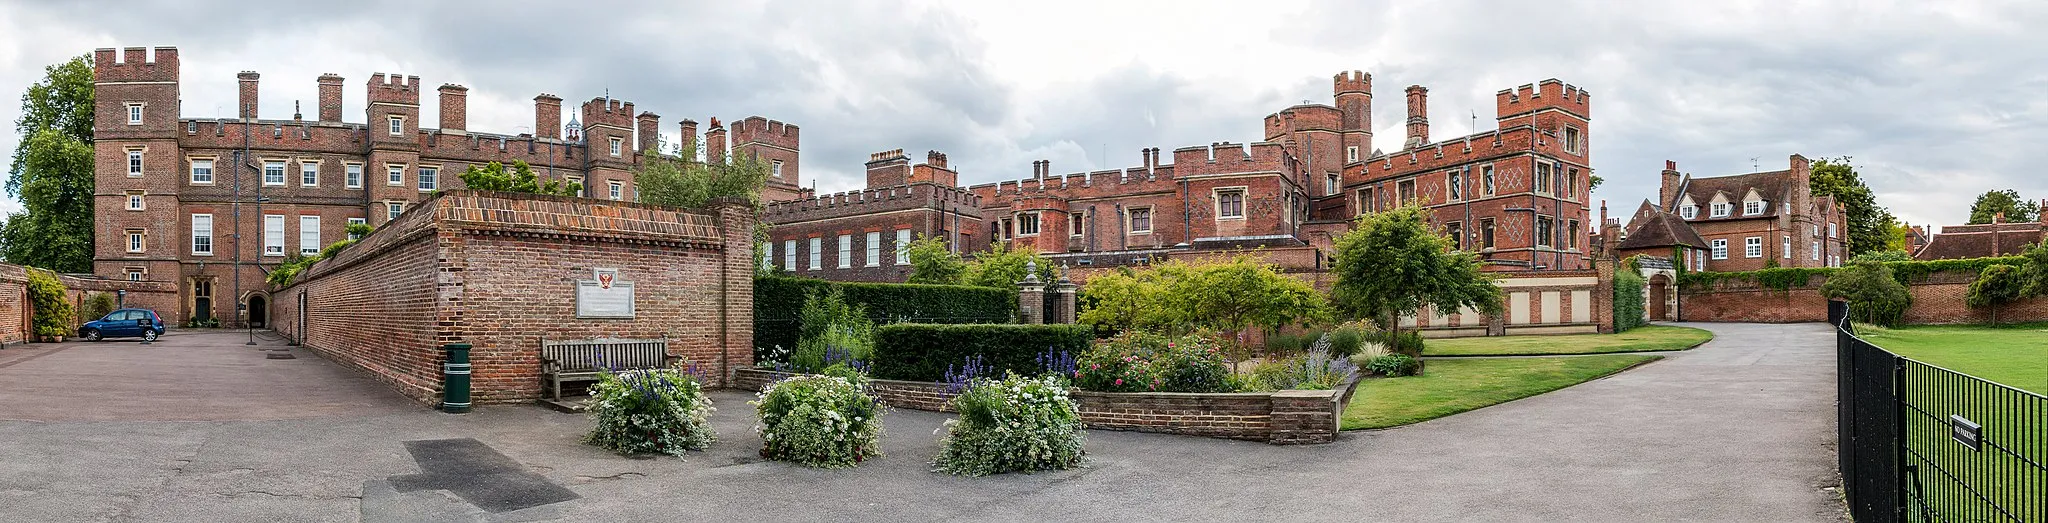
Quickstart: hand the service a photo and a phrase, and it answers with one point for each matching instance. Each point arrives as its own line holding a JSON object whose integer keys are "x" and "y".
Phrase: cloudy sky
{"x": 1936, "y": 101}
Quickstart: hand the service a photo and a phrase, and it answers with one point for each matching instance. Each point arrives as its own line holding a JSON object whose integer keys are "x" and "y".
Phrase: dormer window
{"x": 1689, "y": 212}
{"x": 1720, "y": 210}
{"x": 1752, "y": 207}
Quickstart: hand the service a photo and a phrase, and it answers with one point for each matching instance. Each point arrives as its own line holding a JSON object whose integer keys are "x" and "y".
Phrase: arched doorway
{"x": 1660, "y": 293}
{"x": 259, "y": 311}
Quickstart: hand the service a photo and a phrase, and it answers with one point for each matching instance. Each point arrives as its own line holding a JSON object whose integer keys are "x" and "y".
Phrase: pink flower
{"x": 1119, "y": 381}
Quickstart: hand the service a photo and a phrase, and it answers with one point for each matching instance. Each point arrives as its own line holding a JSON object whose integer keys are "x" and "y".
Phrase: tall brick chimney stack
{"x": 547, "y": 116}
{"x": 1667, "y": 193}
{"x": 648, "y": 130}
{"x": 247, "y": 103}
{"x": 454, "y": 107}
{"x": 1418, "y": 116}
{"x": 714, "y": 147}
{"x": 330, "y": 97}
{"x": 690, "y": 137}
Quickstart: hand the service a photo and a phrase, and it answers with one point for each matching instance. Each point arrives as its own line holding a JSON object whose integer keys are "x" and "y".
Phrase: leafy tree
{"x": 683, "y": 181}
{"x": 1391, "y": 264}
{"x": 1002, "y": 267}
{"x": 1873, "y": 295}
{"x": 1997, "y": 285}
{"x": 2034, "y": 273}
{"x": 2006, "y": 202}
{"x": 933, "y": 262}
{"x": 52, "y": 172}
{"x": 494, "y": 177}
{"x": 1870, "y": 225}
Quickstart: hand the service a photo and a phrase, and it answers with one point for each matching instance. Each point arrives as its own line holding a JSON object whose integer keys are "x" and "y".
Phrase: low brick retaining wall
{"x": 1287, "y": 417}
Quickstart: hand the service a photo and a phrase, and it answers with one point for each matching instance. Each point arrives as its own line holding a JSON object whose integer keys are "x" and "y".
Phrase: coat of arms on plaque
{"x": 604, "y": 295}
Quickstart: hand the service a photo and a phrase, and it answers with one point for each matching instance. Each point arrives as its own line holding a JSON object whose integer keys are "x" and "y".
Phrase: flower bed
{"x": 1282, "y": 418}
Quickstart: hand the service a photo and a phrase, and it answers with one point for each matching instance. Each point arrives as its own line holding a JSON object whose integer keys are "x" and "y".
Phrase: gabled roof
{"x": 1652, "y": 227}
{"x": 1774, "y": 186}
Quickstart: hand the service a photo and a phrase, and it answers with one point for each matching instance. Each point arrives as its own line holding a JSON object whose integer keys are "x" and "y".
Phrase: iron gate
{"x": 1922, "y": 443}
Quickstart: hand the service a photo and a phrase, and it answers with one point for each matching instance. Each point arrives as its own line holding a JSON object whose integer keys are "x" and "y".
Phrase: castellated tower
{"x": 1353, "y": 92}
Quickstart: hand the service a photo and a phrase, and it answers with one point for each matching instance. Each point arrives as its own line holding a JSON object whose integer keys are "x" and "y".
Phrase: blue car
{"x": 124, "y": 323}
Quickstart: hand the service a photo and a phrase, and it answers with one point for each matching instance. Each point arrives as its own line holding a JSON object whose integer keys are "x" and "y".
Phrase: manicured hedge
{"x": 1785, "y": 278}
{"x": 1628, "y": 300}
{"x": 777, "y": 300}
{"x": 922, "y": 351}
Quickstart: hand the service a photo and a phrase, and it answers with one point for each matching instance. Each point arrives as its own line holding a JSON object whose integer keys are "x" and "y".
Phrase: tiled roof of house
{"x": 1775, "y": 187}
{"x": 1660, "y": 229}
{"x": 1982, "y": 240}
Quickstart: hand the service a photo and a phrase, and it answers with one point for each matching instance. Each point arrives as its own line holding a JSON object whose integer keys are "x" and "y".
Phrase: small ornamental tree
{"x": 934, "y": 262}
{"x": 1392, "y": 264}
{"x": 1873, "y": 295}
{"x": 520, "y": 178}
{"x": 1997, "y": 285}
{"x": 1002, "y": 267}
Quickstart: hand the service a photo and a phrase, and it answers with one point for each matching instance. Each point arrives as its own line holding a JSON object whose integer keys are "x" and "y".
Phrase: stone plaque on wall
{"x": 604, "y": 295}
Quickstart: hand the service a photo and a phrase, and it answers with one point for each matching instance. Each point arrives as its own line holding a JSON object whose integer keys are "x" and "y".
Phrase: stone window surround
{"x": 1243, "y": 193}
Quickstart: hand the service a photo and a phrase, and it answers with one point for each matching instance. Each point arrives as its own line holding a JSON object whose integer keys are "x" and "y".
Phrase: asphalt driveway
{"x": 1737, "y": 430}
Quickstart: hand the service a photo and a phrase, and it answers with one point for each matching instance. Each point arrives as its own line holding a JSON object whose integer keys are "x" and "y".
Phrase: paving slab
{"x": 1737, "y": 430}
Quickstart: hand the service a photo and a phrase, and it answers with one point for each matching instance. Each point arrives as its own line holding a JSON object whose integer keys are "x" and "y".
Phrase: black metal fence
{"x": 1923, "y": 443}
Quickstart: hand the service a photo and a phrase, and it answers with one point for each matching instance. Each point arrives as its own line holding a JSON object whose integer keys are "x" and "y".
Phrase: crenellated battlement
{"x": 870, "y": 201}
{"x": 1226, "y": 157}
{"x": 135, "y": 64}
{"x": 1352, "y": 82}
{"x": 394, "y": 88}
{"x": 609, "y": 111}
{"x": 1547, "y": 93}
{"x": 756, "y": 129}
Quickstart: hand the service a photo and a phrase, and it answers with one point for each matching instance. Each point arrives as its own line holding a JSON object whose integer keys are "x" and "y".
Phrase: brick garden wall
{"x": 1281, "y": 418}
{"x": 16, "y": 312}
{"x": 499, "y": 271}
{"x": 1936, "y": 300}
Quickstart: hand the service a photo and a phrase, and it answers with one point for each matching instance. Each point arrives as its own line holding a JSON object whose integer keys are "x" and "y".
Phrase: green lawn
{"x": 1455, "y": 385}
{"x": 2015, "y": 355}
{"x": 1640, "y": 339}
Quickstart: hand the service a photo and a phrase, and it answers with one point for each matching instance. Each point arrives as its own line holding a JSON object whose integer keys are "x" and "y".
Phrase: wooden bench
{"x": 582, "y": 360}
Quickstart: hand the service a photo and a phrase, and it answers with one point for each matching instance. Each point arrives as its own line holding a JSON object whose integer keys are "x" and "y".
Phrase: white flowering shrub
{"x": 653, "y": 411}
{"x": 819, "y": 421}
{"x": 1015, "y": 424}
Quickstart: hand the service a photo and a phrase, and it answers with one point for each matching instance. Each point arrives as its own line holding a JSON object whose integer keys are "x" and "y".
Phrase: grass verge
{"x": 1641, "y": 339}
{"x": 1457, "y": 385}
{"x": 2014, "y": 355}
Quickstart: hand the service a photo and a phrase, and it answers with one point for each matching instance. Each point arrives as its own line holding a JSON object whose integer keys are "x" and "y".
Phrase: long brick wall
{"x": 1937, "y": 299}
{"x": 499, "y": 271}
{"x": 1281, "y": 418}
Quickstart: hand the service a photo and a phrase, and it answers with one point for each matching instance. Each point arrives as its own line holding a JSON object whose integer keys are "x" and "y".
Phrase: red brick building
{"x": 1516, "y": 194}
{"x": 175, "y": 195}
{"x": 858, "y": 235}
{"x": 1757, "y": 220}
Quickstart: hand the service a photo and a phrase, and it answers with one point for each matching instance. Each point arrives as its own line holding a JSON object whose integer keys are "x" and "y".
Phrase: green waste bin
{"x": 455, "y": 379}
